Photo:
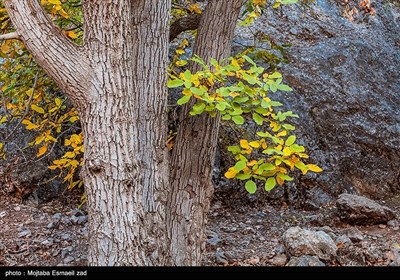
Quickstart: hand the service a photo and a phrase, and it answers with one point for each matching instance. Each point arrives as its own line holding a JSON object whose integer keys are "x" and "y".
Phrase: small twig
{"x": 8, "y": 36}
{"x": 27, "y": 107}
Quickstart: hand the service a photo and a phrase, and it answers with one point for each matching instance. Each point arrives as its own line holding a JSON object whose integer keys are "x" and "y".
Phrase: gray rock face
{"x": 305, "y": 261}
{"x": 346, "y": 80}
{"x": 22, "y": 174}
{"x": 300, "y": 242}
{"x": 359, "y": 210}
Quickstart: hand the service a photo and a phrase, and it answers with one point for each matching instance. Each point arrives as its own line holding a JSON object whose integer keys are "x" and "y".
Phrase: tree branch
{"x": 8, "y": 36}
{"x": 190, "y": 22}
{"x": 62, "y": 59}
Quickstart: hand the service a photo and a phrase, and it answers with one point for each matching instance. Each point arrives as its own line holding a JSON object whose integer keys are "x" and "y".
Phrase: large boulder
{"x": 346, "y": 80}
{"x": 359, "y": 210}
{"x": 300, "y": 242}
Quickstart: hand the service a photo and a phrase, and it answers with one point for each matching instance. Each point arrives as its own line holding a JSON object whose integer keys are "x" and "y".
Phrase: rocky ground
{"x": 55, "y": 234}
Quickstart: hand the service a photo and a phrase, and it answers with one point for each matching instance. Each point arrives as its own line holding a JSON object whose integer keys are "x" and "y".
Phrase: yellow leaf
{"x": 3, "y": 119}
{"x": 195, "y": 8}
{"x": 63, "y": 13}
{"x": 255, "y": 144}
{"x": 59, "y": 161}
{"x": 244, "y": 144}
{"x": 29, "y": 125}
{"x": 52, "y": 167}
{"x": 279, "y": 181}
{"x": 39, "y": 139}
{"x": 67, "y": 142}
{"x": 251, "y": 163}
{"x": 73, "y": 119}
{"x": 314, "y": 168}
{"x": 54, "y": 2}
{"x": 37, "y": 109}
{"x": 231, "y": 173}
{"x": 69, "y": 155}
{"x": 72, "y": 34}
{"x": 286, "y": 151}
{"x": 42, "y": 150}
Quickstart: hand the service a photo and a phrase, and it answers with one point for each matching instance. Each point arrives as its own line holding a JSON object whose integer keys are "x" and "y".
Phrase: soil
{"x": 55, "y": 234}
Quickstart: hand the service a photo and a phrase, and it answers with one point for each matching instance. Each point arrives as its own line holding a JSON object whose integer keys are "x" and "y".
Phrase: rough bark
{"x": 194, "y": 149}
{"x": 117, "y": 80}
{"x": 190, "y": 22}
{"x": 53, "y": 51}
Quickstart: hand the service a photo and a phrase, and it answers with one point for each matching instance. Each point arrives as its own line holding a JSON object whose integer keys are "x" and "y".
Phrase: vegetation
{"x": 234, "y": 89}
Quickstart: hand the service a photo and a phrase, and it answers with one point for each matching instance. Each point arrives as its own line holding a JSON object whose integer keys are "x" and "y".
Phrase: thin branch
{"x": 27, "y": 106}
{"x": 8, "y": 36}
{"x": 190, "y": 22}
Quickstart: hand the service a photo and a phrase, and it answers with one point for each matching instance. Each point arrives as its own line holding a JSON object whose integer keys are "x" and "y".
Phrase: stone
{"x": 220, "y": 258}
{"x": 305, "y": 261}
{"x": 57, "y": 216}
{"x": 343, "y": 241}
{"x": 279, "y": 260}
{"x": 50, "y": 225}
{"x": 354, "y": 234}
{"x": 349, "y": 125}
{"x": 393, "y": 223}
{"x": 68, "y": 259}
{"x": 300, "y": 242}
{"x": 24, "y": 233}
{"x": 74, "y": 219}
{"x": 359, "y": 210}
{"x": 82, "y": 219}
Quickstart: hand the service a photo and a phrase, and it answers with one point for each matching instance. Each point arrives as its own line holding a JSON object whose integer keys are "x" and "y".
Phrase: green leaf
{"x": 240, "y": 165}
{"x": 258, "y": 119}
{"x": 297, "y": 148}
{"x": 270, "y": 184}
{"x": 183, "y": 100}
{"x": 175, "y": 83}
{"x": 243, "y": 176}
{"x": 226, "y": 117}
{"x": 196, "y": 91}
{"x": 198, "y": 108}
{"x": 290, "y": 140}
{"x": 289, "y": 127}
{"x": 283, "y": 87}
{"x": 284, "y": 177}
{"x": 234, "y": 149}
{"x": 250, "y": 186}
{"x": 275, "y": 75}
{"x": 267, "y": 167}
{"x": 238, "y": 120}
{"x": 221, "y": 107}
{"x": 240, "y": 99}
{"x": 300, "y": 165}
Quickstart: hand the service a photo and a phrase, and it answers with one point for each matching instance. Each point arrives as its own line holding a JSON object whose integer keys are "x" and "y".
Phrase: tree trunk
{"x": 126, "y": 165}
{"x": 195, "y": 145}
{"x": 121, "y": 96}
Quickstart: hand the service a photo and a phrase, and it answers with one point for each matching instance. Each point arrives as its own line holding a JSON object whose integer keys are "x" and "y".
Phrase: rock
{"x": 220, "y": 258}
{"x": 77, "y": 212}
{"x": 382, "y": 226}
{"x": 396, "y": 255}
{"x": 24, "y": 233}
{"x": 393, "y": 223}
{"x": 48, "y": 242}
{"x": 57, "y": 217}
{"x": 68, "y": 259}
{"x": 305, "y": 261}
{"x": 50, "y": 225}
{"x": 354, "y": 234}
{"x": 343, "y": 241}
{"x": 82, "y": 220}
{"x": 300, "y": 241}
{"x": 64, "y": 252}
{"x": 17, "y": 208}
{"x": 3, "y": 214}
{"x": 74, "y": 219}
{"x": 213, "y": 238}
{"x": 65, "y": 236}
{"x": 279, "y": 260}
{"x": 351, "y": 127}
{"x": 359, "y": 210}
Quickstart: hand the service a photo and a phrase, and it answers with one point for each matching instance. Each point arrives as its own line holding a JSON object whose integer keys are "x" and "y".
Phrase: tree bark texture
{"x": 195, "y": 145}
{"x": 117, "y": 80}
